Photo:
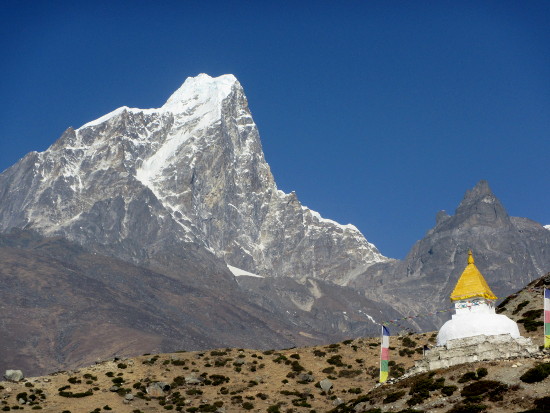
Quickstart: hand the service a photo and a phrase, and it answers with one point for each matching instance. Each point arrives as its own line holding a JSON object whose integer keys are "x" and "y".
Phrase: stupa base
{"x": 477, "y": 348}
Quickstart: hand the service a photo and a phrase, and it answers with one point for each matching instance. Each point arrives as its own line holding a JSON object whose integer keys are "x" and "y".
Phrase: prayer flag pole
{"x": 546, "y": 318}
{"x": 384, "y": 354}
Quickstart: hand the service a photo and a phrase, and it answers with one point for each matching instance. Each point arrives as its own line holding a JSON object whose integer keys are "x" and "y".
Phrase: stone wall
{"x": 477, "y": 348}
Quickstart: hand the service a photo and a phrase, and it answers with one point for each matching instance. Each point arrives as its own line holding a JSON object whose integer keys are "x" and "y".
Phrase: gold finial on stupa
{"x": 470, "y": 257}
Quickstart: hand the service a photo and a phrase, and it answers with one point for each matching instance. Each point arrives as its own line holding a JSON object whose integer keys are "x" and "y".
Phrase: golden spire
{"x": 471, "y": 283}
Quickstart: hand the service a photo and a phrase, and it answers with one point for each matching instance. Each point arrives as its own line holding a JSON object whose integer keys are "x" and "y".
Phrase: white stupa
{"x": 474, "y": 309}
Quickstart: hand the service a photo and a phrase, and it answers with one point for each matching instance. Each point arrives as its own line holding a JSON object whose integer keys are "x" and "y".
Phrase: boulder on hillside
{"x": 157, "y": 389}
{"x": 325, "y": 384}
{"x": 14, "y": 375}
{"x": 193, "y": 379}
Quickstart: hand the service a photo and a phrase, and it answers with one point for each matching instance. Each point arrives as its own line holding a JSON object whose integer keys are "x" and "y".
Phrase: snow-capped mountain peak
{"x": 191, "y": 171}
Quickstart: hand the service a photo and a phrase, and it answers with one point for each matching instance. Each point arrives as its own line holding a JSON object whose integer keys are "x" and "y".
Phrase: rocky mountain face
{"x": 319, "y": 306}
{"x": 509, "y": 251}
{"x": 139, "y": 184}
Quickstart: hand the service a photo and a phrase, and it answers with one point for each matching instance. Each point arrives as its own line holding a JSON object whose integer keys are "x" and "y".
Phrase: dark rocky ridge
{"x": 317, "y": 305}
{"x": 510, "y": 252}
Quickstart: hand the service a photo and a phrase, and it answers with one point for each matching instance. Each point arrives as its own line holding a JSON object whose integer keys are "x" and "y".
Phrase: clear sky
{"x": 377, "y": 113}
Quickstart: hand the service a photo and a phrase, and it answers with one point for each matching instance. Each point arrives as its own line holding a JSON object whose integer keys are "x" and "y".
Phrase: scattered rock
{"x": 337, "y": 402}
{"x": 129, "y": 397}
{"x": 193, "y": 379}
{"x": 306, "y": 377}
{"x": 259, "y": 379}
{"x": 114, "y": 389}
{"x": 361, "y": 407}
{"x": 14, "y": 375}
{"x": 325, "y": 384}
{"x": 157, "y": 389}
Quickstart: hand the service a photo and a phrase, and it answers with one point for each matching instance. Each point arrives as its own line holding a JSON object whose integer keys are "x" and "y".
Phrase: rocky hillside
{"x": 63, "y": 307}
{"x": 509, "y": 251}
{"x": 525, "y": 307}
{"x": 338, "y": 377}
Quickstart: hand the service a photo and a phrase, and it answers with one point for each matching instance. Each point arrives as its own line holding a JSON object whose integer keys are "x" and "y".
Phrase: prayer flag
{"x": 546, "y": 318}
{"x": 384, "y": 354}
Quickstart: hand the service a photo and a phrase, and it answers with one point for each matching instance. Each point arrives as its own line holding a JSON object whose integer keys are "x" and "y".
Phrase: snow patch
{"x": 368, "y": 316}
{"x": 200, "y": 90}
{"x": 116, "y": 112}
{"x": 237, "y": 272}
{"x": 196, "y": 105}
{"x": 547, "y": 227}
{"x": 329, "y": 221}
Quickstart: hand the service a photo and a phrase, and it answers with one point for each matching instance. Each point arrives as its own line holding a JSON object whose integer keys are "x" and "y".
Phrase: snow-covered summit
{"x": 547, "y": 227}
{"x": 198, "y": 96}
{"x": 200, "y": 90}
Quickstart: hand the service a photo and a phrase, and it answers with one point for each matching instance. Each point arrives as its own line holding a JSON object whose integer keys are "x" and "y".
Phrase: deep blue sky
{"x": 376, "y": 113}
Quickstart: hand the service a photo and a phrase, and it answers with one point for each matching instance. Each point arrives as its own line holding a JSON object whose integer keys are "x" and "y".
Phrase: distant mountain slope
{"x": 64, "y": 307}
{"x": 312, "y": 304}
{"x": 509, "y": 252}
{"x": 138, "y": 182}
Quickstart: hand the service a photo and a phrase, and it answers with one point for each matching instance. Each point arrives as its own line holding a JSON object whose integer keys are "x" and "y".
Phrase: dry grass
{"x": 240, "y": 380}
